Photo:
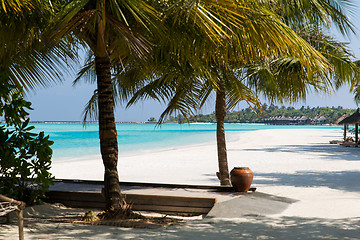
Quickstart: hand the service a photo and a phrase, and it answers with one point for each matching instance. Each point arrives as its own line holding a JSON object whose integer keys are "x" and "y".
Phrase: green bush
{"x": 25, "y": 157}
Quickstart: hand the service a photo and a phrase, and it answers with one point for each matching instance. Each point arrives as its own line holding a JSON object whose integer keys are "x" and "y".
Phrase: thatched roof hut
{"x": 352, "y": 119}
{"x": 337, "y": 121}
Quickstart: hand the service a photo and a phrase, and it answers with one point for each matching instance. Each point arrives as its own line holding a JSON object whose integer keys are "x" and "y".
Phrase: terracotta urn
{"x": 241, "y": 178}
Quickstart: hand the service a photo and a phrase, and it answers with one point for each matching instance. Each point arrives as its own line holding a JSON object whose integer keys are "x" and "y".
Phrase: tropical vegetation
{"x": 249, "y": 115}
{"x": 25, "y": 156}
{"x": 26, "y": 62}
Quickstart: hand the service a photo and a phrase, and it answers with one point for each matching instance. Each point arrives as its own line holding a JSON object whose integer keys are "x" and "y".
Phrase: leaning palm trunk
{"x": 220, "y": 112}
{"x": 108, "y": 134}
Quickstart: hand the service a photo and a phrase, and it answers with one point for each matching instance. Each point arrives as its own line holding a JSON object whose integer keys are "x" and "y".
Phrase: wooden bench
{"x": 169, "y": 205}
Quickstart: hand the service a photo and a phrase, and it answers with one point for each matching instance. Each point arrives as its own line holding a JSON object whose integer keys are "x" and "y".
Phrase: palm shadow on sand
{"x": 324, "y": 151}
{"x": 339, "y": 180}
{"x": 256, "y": 228}
{"x": 343, "y": 180}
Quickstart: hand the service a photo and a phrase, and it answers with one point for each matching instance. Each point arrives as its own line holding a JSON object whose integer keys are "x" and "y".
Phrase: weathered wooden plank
{"x": 170, "y": 209}
{"x": 135, "y": 199}
{"x": 76, "y": 196}
{"x": 170, "y": 200}
{"x": 171, "y": 205}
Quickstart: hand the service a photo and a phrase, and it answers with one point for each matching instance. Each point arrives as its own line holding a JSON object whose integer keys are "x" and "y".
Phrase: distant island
{"x": 274, "y": 115}
{"x": 270, "y": 115}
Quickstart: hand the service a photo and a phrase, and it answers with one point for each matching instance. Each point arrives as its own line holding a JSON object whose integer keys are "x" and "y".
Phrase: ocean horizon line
{"x": 76, "y": 121}
{"x": 136, "y": 122}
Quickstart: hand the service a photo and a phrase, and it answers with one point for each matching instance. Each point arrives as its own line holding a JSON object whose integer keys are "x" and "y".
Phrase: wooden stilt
{"x": 19, "y": 213}
{"x": 356, "y": 133}
{"x": 20, "y": 217}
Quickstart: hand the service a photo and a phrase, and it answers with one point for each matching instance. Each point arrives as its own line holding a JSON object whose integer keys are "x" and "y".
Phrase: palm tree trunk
{"x": 220, "y": 112}
{"x": 108, "y": 134}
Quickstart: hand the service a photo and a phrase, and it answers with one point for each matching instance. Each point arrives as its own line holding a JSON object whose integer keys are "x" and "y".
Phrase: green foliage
{"x": 247, "y": 115}
{"x": 25, "y": 157}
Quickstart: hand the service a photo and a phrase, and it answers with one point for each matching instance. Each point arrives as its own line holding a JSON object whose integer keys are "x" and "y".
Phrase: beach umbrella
{"x": 337, "y": 122}
{"x": 352, "y": 119}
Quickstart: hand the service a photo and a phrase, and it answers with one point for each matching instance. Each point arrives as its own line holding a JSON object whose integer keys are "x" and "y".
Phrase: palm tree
{"x": 110, "y": 29}
{"x": 292, "y": 79}
{"x": 225, "y": 80}
{"x": 285, "y": 86}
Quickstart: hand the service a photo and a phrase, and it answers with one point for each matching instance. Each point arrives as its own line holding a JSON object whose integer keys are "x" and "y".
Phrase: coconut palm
{"x": 292, "y": 79}
{"x": 110, "y": 29}
{"x": 225, "y": 79}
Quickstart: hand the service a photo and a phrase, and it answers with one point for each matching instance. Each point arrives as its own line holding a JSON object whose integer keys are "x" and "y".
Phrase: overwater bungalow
{"x": 282, "y": 120}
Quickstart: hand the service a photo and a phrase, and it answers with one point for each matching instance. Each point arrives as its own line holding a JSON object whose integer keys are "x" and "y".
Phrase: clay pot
{"x": 241, "y": 178}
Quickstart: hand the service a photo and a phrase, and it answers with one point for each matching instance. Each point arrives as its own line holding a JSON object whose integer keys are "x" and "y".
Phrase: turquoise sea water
{"x": 74, "y": 140}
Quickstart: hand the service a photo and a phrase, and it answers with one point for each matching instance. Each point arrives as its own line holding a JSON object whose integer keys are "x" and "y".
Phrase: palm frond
{"x": 87, "y": 72}
{"x": 266, "y": 32}
{"x": 237, "y": 91}
{"x": 25, "y": 55}
{"x": 15, "y": 6}
{"x": 323, "y": 13}
{"x": 91, "y": 108}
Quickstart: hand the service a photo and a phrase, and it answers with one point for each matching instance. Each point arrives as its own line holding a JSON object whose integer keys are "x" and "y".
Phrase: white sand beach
{"x": 299, "y": 164}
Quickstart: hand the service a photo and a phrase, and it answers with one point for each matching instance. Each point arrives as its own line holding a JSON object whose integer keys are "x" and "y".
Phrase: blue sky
{"x": 64, "y": 102}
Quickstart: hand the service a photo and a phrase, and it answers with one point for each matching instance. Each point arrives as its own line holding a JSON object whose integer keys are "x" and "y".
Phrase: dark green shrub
{"x": 25, "y": 157}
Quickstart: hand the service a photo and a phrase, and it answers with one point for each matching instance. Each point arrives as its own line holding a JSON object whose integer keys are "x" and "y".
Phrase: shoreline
{"x": 176, "y": 123}
{"x": 74, "y": 141}
{"x": 133, "y": 152}
{"x": 247, "y": 148}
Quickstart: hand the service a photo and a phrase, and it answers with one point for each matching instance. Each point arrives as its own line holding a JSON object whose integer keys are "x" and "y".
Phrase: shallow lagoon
{"x": 75, "y": 140}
